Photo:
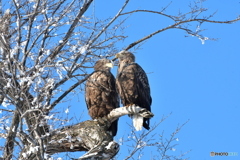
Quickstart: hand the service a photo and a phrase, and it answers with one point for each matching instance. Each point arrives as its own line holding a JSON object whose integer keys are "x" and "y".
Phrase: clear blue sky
{"x": 193, "y": 81}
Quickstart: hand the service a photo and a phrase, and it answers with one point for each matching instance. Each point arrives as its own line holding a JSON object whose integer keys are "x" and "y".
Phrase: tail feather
{"x": 137, "y": 122}
{"x": 113, "y": 128}
{"x": 146, "y": 123}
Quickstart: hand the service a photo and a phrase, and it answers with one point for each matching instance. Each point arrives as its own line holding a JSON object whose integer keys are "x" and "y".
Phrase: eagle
{"x": 100, "y": 92}
{"x": 133, "y": 87}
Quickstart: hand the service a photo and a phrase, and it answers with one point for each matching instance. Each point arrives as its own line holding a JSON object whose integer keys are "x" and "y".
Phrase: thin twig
{"x": 175, "y": 26}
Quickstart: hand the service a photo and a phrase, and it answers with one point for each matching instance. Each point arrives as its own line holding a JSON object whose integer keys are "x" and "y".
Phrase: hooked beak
{"x": 114, "y": 59}
{"x": 116, "y": 56}
{"x": 110, "y": 65}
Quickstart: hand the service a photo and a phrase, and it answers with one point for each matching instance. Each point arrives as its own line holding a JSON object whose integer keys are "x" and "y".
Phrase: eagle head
{"x": 103, "y": 64}
{"x": 125, "y": 56}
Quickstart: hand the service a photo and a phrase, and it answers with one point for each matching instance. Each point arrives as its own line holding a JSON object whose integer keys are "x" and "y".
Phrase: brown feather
{"x": 100, "y": 93}
{"x": 132, "y": 84}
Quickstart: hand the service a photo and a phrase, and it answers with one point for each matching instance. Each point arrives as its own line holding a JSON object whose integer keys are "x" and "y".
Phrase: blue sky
{"x": 191, "y": 80}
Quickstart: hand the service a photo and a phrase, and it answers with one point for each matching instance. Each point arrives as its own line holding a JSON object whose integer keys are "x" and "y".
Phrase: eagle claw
{"x": 145, "y": 113}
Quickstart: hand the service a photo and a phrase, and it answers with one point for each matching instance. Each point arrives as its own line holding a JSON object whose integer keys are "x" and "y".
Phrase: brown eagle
{"x": 100, "y": 92}
{"x": 133, "y": 87}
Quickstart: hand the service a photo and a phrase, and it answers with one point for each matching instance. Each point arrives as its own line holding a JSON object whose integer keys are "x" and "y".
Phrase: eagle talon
{"x": 145, "y": 113}
{"x": 131, "y": 105}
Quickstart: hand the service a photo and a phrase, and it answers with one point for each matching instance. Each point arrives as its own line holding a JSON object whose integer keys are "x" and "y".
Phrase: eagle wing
{"x": 101, "y": 96}
{"x": 133, "y": 87}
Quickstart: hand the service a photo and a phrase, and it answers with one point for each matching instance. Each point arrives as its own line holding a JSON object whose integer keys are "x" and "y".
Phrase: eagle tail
{"x": 137, "y": 122}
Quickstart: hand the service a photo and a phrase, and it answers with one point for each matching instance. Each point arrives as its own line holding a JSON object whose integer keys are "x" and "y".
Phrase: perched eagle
{"x": 133, "y": 87}
{"x": 100, "y": 92}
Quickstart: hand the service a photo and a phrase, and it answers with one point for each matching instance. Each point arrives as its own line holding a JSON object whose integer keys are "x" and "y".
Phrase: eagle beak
{"x": 116, "y": 57}
{"x": 110, "y": 65}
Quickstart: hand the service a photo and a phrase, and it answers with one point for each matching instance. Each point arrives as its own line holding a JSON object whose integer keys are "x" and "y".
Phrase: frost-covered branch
{"x": 166, "y": 145}
{"x": 178, "y": 26}
{"x": 91, "y": 41}
{"x": 179, "y": 20}
{"x": 12, "y": 132}
{"x": 66, "y": 92}
{"x": 112, "y": 20}
{"x": 118, "y": 112}
{"x": 143, "y": 140}
{"x": 91, "y": 136}
{"x": 71, "y": 29}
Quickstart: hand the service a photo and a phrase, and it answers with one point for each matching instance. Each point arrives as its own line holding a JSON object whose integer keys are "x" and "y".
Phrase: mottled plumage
{"x": 132, "y": 85}
{"x": 100, "y": 92}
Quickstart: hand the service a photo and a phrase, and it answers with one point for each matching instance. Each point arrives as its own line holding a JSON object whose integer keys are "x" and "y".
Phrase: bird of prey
{"x": 100, "y": 92}
{"x": 133, "y": 87}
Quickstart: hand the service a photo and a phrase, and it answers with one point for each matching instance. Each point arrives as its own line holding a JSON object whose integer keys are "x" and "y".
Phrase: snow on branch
{"x": 91, "y": 135}
{"x": 118, "y": 112}
{"x": 177, "y": 25}
{"x": 179, "y": 21}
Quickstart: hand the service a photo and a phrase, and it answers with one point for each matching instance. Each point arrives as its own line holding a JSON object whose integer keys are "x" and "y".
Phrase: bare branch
{"x": 112, "y": 20}
{"x": 143, "y": 139}
{"x": 149, "y": 11}
{"x": 9, "y": 144}
{"x": 66, "y": 92}
{"x": 167, "y": 144}
{"x": 176, "y": 26}
{"x": 6, "y": 110}
{"x": 30, "y": 110}
{"x": 70, "y": 31}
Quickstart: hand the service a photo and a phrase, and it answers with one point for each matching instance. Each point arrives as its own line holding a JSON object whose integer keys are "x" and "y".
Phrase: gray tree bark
{"x": 91, "y": 136}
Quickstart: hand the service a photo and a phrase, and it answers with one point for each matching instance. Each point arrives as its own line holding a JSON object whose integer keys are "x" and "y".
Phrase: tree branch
{"x": 175, "y": 25}
{"x": 71, "y": 29}
{"x": 66, "y": 92}
{"x": 92, "y": 135}
{"x": 12, "y": 132}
